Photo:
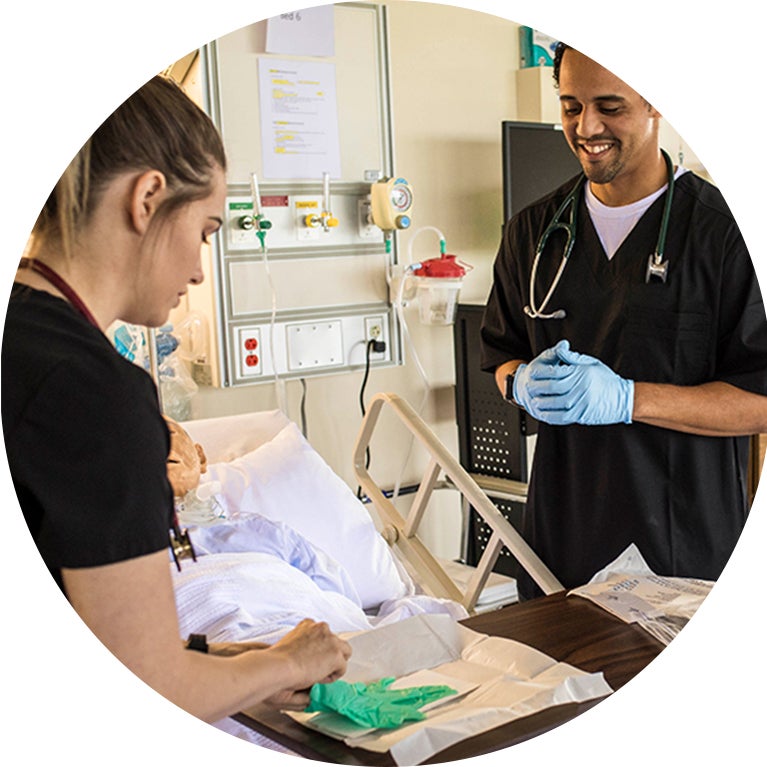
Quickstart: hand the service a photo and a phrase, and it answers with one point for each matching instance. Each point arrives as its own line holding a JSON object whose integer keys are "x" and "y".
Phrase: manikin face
{"x": 186, "y": 460}
{"x": 609, "y": 126}
{"x": 171, "y": 257}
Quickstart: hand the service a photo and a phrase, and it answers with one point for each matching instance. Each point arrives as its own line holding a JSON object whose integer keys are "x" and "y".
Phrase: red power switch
{"x": 251, "y": 344}
{"x": 251, "y": 360}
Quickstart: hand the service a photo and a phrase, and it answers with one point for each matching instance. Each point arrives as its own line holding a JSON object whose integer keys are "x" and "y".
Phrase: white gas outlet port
{"x": 366, "y": 227}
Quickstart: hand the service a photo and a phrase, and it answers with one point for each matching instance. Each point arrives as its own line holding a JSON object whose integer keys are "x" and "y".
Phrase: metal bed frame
{"x": 402, "y": 532}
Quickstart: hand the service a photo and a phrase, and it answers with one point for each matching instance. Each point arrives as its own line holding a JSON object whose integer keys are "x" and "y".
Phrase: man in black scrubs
{"x": 647, "y": 376}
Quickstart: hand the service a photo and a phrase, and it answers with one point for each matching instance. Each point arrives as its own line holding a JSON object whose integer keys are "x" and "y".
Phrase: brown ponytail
{"x": 159, "y": 127}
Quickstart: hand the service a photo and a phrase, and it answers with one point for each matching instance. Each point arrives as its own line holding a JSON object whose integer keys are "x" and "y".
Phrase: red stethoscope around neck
{"x": 60, "y": 284}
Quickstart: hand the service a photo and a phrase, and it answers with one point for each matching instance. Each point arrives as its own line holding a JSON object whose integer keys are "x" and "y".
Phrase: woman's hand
{"x": 289, "y": 700}
{"x": 317, "y": 656}
{"x": 307, "y": 639}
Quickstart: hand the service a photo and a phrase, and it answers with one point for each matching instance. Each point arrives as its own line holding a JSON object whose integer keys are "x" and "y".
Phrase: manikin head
{"x": 186, "y": 460}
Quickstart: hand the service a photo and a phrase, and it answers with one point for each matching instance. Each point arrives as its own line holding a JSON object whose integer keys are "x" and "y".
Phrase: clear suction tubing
{"x": 438, "y": 283}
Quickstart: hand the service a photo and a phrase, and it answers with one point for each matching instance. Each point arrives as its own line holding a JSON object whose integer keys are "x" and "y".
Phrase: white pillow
{"x": 286, "y": 480}
{"x": 226, "y": 437}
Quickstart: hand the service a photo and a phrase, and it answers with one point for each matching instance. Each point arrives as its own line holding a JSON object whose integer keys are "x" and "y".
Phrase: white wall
{"x": 452, "y": 73}
{"x": 453, "y": 80}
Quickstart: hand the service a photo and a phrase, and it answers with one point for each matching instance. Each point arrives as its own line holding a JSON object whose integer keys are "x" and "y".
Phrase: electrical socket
{"x": 374, "y": 329}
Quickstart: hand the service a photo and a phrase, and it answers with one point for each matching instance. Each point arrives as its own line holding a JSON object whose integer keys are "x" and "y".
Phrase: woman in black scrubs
{"x": 120, "y": 238}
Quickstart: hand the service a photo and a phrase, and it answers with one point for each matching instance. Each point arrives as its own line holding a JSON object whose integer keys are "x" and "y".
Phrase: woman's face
{"x": 171, "y": 258}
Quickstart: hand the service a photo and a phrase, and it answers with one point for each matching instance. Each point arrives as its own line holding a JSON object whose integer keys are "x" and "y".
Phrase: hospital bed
{"x": 358, "y": 567}
{"x": 291, "y": 540}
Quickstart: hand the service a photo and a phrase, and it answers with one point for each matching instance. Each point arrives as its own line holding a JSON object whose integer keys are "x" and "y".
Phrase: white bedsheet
{"x": 255, "y": 579}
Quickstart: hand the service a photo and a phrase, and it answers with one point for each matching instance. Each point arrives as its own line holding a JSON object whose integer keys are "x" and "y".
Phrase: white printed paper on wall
{"x": 307, "y": 32}
{"x": 299, "y": 119}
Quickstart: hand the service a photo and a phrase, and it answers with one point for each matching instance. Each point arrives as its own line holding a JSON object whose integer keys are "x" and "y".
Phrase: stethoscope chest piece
{"x": 656, "y": 268}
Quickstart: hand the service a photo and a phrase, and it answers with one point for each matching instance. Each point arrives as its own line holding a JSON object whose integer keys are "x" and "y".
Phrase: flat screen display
{"x": 536, "y": 160}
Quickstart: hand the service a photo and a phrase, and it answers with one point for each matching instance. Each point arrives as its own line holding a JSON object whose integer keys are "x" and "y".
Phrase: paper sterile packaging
{"x": 628, "y": 589}
{"x": 496, "y": 681}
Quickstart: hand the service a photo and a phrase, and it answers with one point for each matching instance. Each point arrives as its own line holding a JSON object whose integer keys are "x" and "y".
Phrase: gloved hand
{"x": 373, "y": 705}
{"x": 533, "y": 378}
{"x": 587, "y": 392}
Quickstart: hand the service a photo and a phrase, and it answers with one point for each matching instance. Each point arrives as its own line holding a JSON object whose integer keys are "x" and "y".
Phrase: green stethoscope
{"x": 657, "y": 268}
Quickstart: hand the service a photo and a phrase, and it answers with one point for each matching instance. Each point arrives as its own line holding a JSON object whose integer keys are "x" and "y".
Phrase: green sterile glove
{"x": 374, "y": 705}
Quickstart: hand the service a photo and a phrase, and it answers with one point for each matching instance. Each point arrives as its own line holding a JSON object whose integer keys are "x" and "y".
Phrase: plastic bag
{"x": 177, "y": 388}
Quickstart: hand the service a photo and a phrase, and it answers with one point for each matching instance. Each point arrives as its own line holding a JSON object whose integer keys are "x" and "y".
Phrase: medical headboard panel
{"x": 493, "y": 437}
{"x": 312, "y": 126}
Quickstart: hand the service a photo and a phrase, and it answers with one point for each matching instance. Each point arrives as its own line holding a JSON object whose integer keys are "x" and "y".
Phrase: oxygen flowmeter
{"x": 257, "y": 220}
{"x": 391, "y": 204}
{"x": 326, "y": 219}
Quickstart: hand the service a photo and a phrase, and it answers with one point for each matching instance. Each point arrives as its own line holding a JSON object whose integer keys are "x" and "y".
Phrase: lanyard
{"x": 60, "y": 284}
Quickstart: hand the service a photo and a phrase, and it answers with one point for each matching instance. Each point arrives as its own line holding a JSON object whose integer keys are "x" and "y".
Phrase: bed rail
{"x": 402, "y": 531}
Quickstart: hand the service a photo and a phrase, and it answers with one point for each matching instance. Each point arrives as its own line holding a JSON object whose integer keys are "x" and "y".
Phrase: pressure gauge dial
{"x": 401, "y": 197}
{"x": 391, "y": 202}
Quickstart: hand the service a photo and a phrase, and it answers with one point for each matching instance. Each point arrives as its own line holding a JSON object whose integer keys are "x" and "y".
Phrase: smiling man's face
{"x": 610, "y": 127}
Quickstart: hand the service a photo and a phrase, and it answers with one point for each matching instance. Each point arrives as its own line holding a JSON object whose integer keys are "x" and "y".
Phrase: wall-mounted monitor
{"x": 536, "y": 160}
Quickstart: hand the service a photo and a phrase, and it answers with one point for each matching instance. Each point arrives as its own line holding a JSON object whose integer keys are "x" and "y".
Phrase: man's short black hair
{"x": 558, "y": 53}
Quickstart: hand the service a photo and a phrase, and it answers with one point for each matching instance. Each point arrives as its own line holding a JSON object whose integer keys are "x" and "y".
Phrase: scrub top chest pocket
{"x": 667, "y": 345}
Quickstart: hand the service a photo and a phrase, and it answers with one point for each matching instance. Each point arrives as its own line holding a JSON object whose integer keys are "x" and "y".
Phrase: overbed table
{"x": 569, "y": 629}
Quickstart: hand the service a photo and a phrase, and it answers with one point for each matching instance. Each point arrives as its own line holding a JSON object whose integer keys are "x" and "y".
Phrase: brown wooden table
{"x": 569, "y": 629}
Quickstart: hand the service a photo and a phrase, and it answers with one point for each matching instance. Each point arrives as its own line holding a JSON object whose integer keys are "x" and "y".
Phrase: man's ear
{"x": 147, "y": 192}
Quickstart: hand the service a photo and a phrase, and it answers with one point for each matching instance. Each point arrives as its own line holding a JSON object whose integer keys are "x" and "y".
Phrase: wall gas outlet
{"x": 307, "y": 212}
{"x": 239, "y": 224}
{"x": 366, "y": 227}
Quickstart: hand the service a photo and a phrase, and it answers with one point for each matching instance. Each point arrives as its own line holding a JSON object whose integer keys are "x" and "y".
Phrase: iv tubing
{"x": 278, "y": 382}
{"x": 403, "y": 322}
{"x": 261, "y": 234}
{"x": 417, "y": 361}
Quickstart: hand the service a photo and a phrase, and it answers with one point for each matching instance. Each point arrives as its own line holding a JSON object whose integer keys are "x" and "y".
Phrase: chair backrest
{"x": 491, "y": 433}
{"x": 492, "y": 438}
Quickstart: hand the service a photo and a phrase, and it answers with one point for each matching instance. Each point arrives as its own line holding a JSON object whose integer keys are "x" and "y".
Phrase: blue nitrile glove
{"x": 373, "y": 705}
{"x": 533, "y": 377}
{"x": 589, "y": 393}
